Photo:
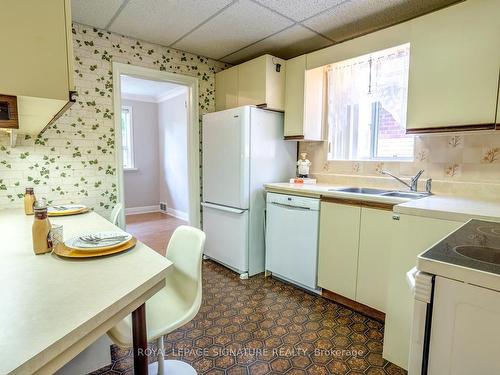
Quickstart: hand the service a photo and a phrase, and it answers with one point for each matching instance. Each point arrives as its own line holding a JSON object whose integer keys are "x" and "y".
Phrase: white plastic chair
{"x": 116, "y": 213}
{"x": 174, "y": 305}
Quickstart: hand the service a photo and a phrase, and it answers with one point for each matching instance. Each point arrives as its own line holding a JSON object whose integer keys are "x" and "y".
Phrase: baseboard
{"x": 176, "y": 213}
{"x": 141, "y": 210}
{"x": 353, "y": 305}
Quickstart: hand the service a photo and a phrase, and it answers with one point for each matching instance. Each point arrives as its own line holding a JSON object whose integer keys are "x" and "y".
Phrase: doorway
{"x": 157, "y": 151}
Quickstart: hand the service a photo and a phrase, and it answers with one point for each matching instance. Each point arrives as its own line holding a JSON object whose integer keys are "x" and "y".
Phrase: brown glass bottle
{"x": 41, "y": 231}
{"x": 29, "y": 201}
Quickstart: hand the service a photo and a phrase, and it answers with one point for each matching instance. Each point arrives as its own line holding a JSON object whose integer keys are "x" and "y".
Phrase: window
{"x": 127, "y": 138}
{"x": 367, "y": 99}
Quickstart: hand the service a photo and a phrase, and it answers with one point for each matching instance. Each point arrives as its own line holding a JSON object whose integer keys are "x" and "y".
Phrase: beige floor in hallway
{"x": 154, "y": 229}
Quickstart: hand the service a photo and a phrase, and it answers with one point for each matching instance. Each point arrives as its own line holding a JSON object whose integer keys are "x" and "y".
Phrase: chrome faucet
{"x": 413, "y": 182}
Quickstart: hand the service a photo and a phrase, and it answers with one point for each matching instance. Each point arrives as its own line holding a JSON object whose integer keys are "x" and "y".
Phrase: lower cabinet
{"x": 364, "y": 254}
{"x": 338, "y": 248}
{"x": 354, "y": 252}
{"x": 410, "y": 236}
{"x": 374, "y": 254}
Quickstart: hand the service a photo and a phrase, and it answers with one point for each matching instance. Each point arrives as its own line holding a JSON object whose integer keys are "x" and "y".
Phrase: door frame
{"x": 193, "y": 132}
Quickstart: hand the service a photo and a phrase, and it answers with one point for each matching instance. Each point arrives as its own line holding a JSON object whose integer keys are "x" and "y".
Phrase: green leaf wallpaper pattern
{"x": 74, "y": 160}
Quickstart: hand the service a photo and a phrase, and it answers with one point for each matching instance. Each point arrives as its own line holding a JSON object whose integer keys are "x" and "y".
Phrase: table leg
{"x": 140, "y": 340}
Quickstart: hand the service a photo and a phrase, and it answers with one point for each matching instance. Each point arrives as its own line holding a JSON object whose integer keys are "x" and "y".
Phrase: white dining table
{"x": 52, "y": 308}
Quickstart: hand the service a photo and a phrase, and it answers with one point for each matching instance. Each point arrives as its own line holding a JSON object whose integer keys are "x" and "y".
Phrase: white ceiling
{"x": 146, "y": 90}
{"x": 238, "y": 30}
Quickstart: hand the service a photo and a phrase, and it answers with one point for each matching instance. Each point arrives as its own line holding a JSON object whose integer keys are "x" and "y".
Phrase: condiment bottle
{"x": 41, "y": 229}
{"x": 29, "y": 201}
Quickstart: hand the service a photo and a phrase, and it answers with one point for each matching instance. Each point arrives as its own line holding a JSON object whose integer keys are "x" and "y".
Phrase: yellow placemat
{"x": 68, "y": 212}
{"x": 64, "y": 251}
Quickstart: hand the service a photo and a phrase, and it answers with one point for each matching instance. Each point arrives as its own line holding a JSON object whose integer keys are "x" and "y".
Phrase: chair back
{"x": 185, "y": 250}
{"x": 115, "y": 214}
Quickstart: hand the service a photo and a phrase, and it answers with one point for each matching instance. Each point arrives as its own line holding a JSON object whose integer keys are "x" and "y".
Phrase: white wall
{"x": 142, "y": 186}
{"x": 172, "y": 117}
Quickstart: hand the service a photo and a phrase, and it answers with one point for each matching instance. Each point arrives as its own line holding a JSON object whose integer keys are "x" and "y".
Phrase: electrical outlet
{"x": 163, "y": 207}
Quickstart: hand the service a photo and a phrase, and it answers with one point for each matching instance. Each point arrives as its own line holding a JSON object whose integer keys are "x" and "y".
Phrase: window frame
{"x": 375, "y": 125}
{"x": 131, "y": 152}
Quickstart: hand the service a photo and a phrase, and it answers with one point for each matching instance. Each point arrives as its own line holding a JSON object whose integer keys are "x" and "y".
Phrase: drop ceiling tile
{"x": 241, "y": 24}
{"x": 300, "y": 9}
{"x": 95, "y": 13}
{"x": 358, "y": 17}
{"x": 286, "y": 44}
{"x": 164, "y": 22}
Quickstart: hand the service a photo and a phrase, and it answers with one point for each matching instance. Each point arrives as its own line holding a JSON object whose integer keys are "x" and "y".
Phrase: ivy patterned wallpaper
{"x": 74, "y": 161}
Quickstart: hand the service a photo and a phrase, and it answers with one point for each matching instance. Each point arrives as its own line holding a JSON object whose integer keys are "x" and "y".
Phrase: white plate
{"x": 77, "y": 243}
{"x": 58, "y": 208}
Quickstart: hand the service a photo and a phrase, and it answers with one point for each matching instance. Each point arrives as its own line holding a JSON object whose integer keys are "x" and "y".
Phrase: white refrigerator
{"x": 243, "y": 148}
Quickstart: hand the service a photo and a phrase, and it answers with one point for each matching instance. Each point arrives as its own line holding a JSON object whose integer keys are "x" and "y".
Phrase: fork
{"x": 95, "y": 239}
{"x": 59, "y": 208}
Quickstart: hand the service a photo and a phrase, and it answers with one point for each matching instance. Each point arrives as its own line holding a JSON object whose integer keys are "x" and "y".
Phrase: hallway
{"x": 154, "y": 229}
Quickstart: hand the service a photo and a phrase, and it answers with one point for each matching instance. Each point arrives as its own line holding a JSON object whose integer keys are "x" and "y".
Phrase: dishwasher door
{"x": 292, "y": 239}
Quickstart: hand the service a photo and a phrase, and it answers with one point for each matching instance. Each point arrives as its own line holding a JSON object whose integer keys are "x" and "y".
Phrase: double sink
{"x": 382, "y": 192}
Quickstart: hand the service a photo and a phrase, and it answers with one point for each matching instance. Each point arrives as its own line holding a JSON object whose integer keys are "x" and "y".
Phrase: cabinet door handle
{"x": 395, "y": 217}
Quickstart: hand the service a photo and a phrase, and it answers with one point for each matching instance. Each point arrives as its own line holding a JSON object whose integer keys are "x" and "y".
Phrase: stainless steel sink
{"x": 361, "y": 190}
{"x": 481, "y": 253}
{"x": 382, "y": 192}
{"x": 404, "y": 194}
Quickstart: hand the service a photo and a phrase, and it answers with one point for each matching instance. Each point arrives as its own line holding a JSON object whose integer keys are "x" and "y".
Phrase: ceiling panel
{"x": 164, "y": 22}
{"x": 358, "y": 17}
{"x": 96, "y": 13}
{"x": 300, "y": 9}
{"x": 239, "y": 25}
{"x": 286, "y": 44}
{"x": 353, "y": 17}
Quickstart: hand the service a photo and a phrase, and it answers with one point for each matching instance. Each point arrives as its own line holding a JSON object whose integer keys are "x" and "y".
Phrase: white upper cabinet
{"x": 259, "y": 82}
{"x": 294, "y": 96}
{"x": 37, "y": 66}
{"x": 226, "y": 89}
{"x": 454, "y": 68}
{"x": 304, "y": 100}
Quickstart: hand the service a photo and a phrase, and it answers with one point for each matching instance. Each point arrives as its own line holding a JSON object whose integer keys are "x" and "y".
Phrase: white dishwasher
{"x": 292, "y": 225}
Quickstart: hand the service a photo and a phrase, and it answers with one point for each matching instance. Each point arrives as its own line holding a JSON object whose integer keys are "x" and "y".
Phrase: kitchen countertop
{"x": 328, "y": 190}
{"x": 435, "y": 206}
{"x": 52, "y": 307}
{"x": 447, "y": 259}
{"x": 451, "y": 208}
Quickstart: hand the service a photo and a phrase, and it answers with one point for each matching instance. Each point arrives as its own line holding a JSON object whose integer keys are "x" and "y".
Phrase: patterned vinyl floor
{"x": 263, "y": 326}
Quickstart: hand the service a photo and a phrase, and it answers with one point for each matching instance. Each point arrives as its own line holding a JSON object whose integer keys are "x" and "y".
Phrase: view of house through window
{"x": 367, "y": 99}
{"x": 127, "y": 138}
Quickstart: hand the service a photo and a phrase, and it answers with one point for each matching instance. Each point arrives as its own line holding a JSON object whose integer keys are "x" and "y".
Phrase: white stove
{"x": 456, "y": 316}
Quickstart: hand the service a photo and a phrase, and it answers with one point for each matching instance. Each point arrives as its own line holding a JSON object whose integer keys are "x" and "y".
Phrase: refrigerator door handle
{"x": 223, "y": 208}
